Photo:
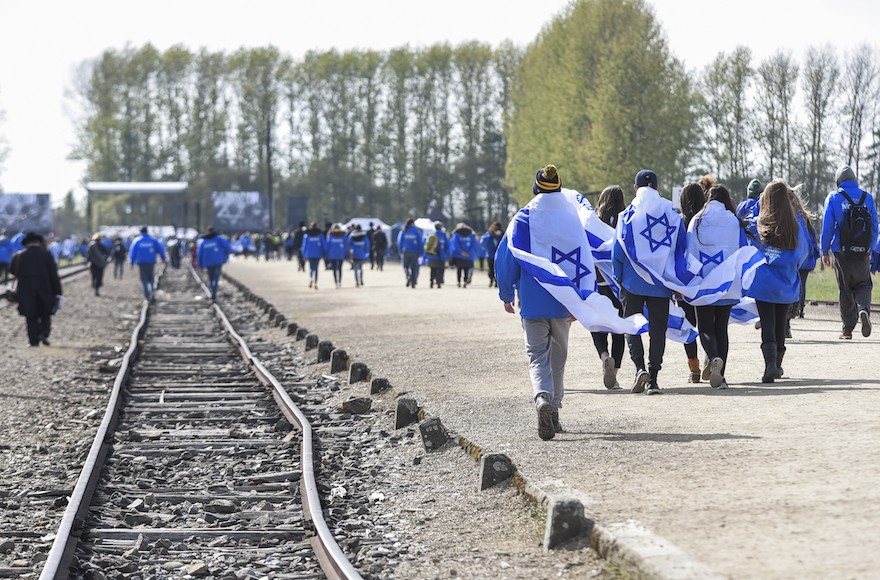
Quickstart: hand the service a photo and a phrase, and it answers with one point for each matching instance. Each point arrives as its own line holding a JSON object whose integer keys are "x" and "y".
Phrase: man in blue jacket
{"x": 546, "y": 322}
{"x": 144, "y": 251}
{"x": 213, "y": 251}
{"x": 852, "y": 257}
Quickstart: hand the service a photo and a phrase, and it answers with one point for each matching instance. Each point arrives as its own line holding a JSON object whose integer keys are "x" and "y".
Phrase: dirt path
{"x": 758, "y": 481}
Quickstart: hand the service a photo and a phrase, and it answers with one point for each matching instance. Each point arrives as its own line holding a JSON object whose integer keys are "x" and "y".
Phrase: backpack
{"x": 431, "y": 244}
{"x": 855, "y": 229}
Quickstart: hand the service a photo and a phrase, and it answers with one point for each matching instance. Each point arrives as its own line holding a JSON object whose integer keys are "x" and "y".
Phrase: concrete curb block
{"x": 638, "y": 553}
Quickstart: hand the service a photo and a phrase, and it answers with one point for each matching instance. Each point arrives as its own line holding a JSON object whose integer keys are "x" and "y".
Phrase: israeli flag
{"x": 652, "y": 235}
{"x": 548, "y": 240}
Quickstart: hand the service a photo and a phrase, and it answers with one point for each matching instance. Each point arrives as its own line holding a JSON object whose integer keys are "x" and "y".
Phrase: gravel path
{"x": 758, "y": 481}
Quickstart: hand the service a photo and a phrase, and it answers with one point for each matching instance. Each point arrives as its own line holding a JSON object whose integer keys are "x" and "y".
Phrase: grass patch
{"x": 822, "y": 285}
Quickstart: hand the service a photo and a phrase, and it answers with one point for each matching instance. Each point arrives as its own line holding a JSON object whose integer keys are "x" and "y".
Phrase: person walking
{"x": 297, "y": 247}
{"x": 608, "y": 208}
{"x": 144, "y": 251}
{"x": 649, "y": 234}
{"x": 489, "y": 242}
{"x": 409, "y": 244}
{"x": 5, "y": 255}
{"x": 714, "y": 234}
{"x": 850, "y": 232}
{"x": 359, "y": 242}
{"x": 38, "y": 287}
{"x": 314, "y": 248}
{"x": 213, "y": 251}
{"x": 436, "y": 254}
{"x": 97, "y": 255}
{"x": 463, "y": 248}
{"x": 777, "y": 285}
{"x": 806, "y": 221}
{"x": 337, "y": 252}
{"x": 693, "y": 198}
{"x": 379, "y": 247}
{"x": 545, "y": 321}
{"x": 119, "y": 253}
{"x": 747, "y": 210}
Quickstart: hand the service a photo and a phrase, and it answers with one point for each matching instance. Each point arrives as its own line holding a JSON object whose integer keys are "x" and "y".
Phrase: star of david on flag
{"x": 666, "y": 230}
{"x": 557, "y": 256}
{"x": 711, "y": 259}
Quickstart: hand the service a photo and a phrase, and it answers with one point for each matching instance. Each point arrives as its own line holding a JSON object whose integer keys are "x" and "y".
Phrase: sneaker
{"x": 707, "y": 369}
{"x": 758, "y": 325}
{"x": 545, "y": 419}
{"x": 44, "y": 340}
{"x": 653, "y": 388}
{"x": 865, "y": 319}
{"x": 311, "y": 283}
{"x": 723, "y": 384}
{"x": 715, "y": 376}
{"x": 641, "y": 382}
{"x": 608, "y": 376}
{"x": 845, "y": 335}
{"x": 557, "y": 426}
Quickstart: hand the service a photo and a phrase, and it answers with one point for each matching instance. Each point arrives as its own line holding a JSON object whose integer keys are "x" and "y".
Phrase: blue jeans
{"x": 147, "y": 279}
{"x": 214, "y": 279}
{"x": 411, "y": 267}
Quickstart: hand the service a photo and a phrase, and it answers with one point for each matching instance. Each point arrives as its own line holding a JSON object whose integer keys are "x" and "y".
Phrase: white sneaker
{"x": 715, "y": 376}
{"x": 641, "y": 382}
{"x": 609, "y": 378}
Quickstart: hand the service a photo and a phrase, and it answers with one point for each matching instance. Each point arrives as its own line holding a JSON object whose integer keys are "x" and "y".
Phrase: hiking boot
{"x": 715, "y": 376}
{"x": 694, "y": 367}
{"x": 609, "y": 374}
{"x": 545, "y": 418}
{"x": 707, "y": 369}
{"x": 845, "y": 335}
{"x": 557, "y": 426}
{"x": 641, "y": 382}
{"x": 865, "y": 319}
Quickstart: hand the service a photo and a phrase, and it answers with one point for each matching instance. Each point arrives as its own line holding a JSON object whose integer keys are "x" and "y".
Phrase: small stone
{"x": 198, "y": 569}
{"x": 357, "y": 405}
{"x": 20, "y": 563}
{"x": 6, "y": 546}
{"x": 136, "y": 505}
{"x": 173, "y": 565}
{"x": 221, "y": 506}
{"x": 150, "y": 500}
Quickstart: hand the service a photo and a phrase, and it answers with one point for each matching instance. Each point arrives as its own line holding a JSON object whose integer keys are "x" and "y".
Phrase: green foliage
{"x": 599, "y": 95}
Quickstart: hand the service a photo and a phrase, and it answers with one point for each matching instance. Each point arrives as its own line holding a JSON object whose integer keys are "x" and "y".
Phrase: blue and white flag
{"x": 549, "y": 242}
{"x": 652, "y": 235}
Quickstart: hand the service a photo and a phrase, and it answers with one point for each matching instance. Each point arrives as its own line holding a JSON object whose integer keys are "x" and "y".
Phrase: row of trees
{"x": 462, "y": 129}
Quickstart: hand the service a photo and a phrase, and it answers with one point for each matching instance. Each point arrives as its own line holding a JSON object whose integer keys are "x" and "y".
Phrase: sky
{"x": 43, "y": 42}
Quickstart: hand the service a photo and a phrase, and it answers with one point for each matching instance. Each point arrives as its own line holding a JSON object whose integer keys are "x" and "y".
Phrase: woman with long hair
{"x": 608, "y": 208}
{"x": 714, "y": 234}
{"x": 777, "y": 283}
{"x": 693, "y": 198}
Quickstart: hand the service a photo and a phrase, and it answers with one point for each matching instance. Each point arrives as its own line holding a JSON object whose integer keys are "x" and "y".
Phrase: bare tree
{"x": 820, "y": 85}
{"x": 860, "y": 90}
{"x": 776, "y": 85}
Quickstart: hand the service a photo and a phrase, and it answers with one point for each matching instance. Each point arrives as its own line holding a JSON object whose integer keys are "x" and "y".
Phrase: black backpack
{"x": 855, "y": 229}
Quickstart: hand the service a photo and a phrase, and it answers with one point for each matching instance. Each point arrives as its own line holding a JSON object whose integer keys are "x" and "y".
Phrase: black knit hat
{"x": 547, "y": 180}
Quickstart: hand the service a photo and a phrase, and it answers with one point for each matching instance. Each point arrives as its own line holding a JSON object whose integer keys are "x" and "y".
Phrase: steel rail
{"x": 333, "y": 561}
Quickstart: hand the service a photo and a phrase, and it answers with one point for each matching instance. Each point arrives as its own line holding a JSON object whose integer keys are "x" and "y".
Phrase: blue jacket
{"x": 464, "y": 245}
{"x": 410, "y": 240}
{"x": 490, "y": 243}
{"x": 534, "y": 301}
{"x": 748, "y": 210}
{"x": 778, "y": 281}
{"x": 314, "y": 246}
{"x": 145, "y": 249}
{"x": 5, "y": 250}
{"x": 835, "y": 204}
{"x": 442, "y": 253}
{"x": 359, "y": 243}
{"x": 214, "y": 250}
{"x": 337, "y": 246}
{"x": 813, "y": 257}
{"x": 17, "y": 246}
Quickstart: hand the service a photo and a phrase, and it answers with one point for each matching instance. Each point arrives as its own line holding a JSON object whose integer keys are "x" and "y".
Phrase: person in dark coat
{"x": 98, "y": 256}
{"x": 39, "y": 287}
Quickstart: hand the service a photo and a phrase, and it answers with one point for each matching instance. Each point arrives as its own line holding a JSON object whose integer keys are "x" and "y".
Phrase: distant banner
{"x": 25, "y": 212}
{"x": 297, "y": 211}
{"x": 240, "y": 211}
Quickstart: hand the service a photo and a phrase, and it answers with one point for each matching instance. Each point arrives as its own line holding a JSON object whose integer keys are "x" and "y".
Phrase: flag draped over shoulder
{"x": 550, "y": 243}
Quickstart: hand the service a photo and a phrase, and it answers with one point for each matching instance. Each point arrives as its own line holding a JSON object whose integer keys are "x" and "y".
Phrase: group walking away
{"x": 667, "y": 265}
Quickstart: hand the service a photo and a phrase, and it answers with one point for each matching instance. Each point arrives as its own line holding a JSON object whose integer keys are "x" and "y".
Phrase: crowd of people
{"x": 710, "y": 261}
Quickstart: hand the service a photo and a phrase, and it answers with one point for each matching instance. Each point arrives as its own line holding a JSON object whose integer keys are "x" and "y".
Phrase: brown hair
{"x": 777, "y": 224}
{"x": 610, "y": 204}
{"x": 409, "y": 222}
{"x": 706, "y": 182}
{"x": 693, "y": 199}
{"x": 797, "y": 204}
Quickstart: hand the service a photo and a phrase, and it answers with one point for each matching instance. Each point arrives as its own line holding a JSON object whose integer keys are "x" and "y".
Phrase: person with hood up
{"x": 359, "y": 241}
{"x": 144, "y": 251}
{"x": 39, "y": 287}
{"x": 436, "y": 254}
{"x": 337, "y": 251}
{"x": 314, "y": 248}
{"x": 489, "y": 242}
{"x": 379, "y": 243}
{"x": 409, "y": 244}
{"x": 213, "y": 251}
{"x": 747, "y": 210}
{"x": 97, "y": 255}
{"x": 463, "y": 247}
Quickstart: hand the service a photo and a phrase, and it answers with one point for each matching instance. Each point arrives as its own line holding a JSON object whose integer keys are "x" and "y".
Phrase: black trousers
{"x": 38, "y": 327}
{"x": 690, "y": 348}
{"x": 774, "y": 318}
{"x": 658, "y": 318}
{"x": 97, "y": 275}
{"x": 854, "y": 283}
{"x": 712, "y": 323}
{"x": 600, "y": 339}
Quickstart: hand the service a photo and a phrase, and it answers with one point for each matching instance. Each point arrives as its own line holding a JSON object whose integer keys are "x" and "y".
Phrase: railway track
{"x": 202, "y": 465}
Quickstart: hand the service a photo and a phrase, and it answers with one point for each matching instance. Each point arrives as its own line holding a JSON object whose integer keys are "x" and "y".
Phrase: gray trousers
{"x": 547, "y": 347}
{"x": 854, "y": 282}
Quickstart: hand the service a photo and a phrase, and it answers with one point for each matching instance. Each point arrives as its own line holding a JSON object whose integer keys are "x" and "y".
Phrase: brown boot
{"x": 694, "y": 367}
